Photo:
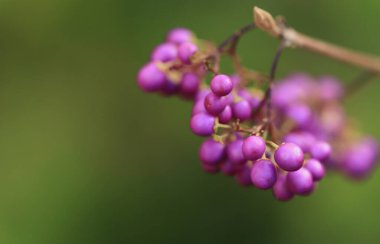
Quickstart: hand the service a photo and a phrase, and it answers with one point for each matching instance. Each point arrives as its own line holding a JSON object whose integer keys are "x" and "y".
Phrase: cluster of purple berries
{"x": 286, "y": 147}
{"x": 171, "y": 69}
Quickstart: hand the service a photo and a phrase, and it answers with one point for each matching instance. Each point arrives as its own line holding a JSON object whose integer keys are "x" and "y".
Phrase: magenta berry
{"x": 321, "y": 151}
{"x": 281, "y": 190}
{"x": 289, "y": 157}
{"x": 202, "y": 124}
{"x": 316, "y": 169}
{"x": 254, "y": 147}
{"x": 300, "y": 182}
{"x": 179, "y": 36}
{"x": 263, "y": 174}
{"x": 150, "y": 78}
{"x": 221, "y": 85}
{"x": 186, "y": 51}
{"x": 165, "y": 52}
{"x": 211, "y": 152}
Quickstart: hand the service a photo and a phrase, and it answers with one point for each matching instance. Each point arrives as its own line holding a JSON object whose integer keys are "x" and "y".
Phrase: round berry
{"x": 226, "y": 115}
{"x": 243, "y": 177}
{"x": 316, "y": 169}
{"x": 242, "y": 110}
{"x": 229, "y": 168}
{"x": 202, "y": 124}
{"x": 263, "y": 174}
{"x": 165, "y": 52}
{"x": 289, "y": 156}
{"x": 281, "y": 190}
{"x": 211, "y": 152}
{"x": 189, "y": 84}
{"x": 235, "y": 152}
{"x": 321, "y": 151}
{"x": 221, "y": 85}
{"x": 214, "y": 104}
{"x": 150, "y": 78}
{"x": 179, "y": 36}
{"x": 186, "y": 51}
{"x": 254, "y": 147}
{"x": 300, "y": 182}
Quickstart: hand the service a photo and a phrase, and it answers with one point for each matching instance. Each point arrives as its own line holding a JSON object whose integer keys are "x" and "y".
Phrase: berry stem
{"x": 265, "y": 21}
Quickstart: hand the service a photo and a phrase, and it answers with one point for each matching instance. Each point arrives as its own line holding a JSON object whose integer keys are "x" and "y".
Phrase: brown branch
{"x": 278, "y": 29}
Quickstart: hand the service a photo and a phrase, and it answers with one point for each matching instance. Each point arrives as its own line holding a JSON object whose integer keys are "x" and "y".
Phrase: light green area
{"x": 85, "y": 157}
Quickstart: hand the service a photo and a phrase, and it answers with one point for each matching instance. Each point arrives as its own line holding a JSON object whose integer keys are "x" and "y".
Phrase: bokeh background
{"x": 86, "y": 157}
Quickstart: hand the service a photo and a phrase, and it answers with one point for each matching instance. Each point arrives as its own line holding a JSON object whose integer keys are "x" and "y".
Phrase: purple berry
{"x": 189, "y": 84}
{"x": 214, "y": 104}
{"x": 254, "y": 147}
{"x": 186, "y": 51}
{"x": 242, "y": 110}
{"x": 199, "y": 107}
{"x": 263, "y": 174}
{"x": 179, "y": 36}
{"x": 289, "y": 157}
{"x": 321, "y": 151}
{"x": 316, "y": 169}
{"x": 229, "y": 168}
{"x": 202, "y": 124}
{"x": 226, "y": 115}
{"x": 300, "y": 114}
{"x": 235, "y": 152}
{"x": 243, "y": 177}
{"x": 211, "y": 152}
{"x": 221, "y": 85}
{"x": 164, "y": 52}
{"x": 169, "y": 88}
{"x": 303, "y": 139}
{"x": 150, "y": 78}
{"x": 359, "y": 160}
{"x": 300, "y": 182}
{"x": 281, "y": 190}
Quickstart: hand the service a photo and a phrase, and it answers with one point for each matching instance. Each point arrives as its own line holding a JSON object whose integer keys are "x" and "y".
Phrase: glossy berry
{"x": 300, "y": 182}
{"x": 263, "y": 174}
{"x": 235, "y": 152}
{"x": 316, "y": 169}
{"x": 221, "y": 85}
{"x": 214, "y": 104}
{"x": 321, "y": 151}
{"x": 202, "y": 124}
{"x": 211, "y": 152}
{"x": 186, "y": 51}
{"x": 242, "y": 110}
{"x": 289, "y": 157}
{"x": 189, "y": 84}
{"x": 165, "y": 52}
{"x": 226, "y": 115}
{"x": 254, "y": 147}
{"x": 150, "y": 78}
{"x": 281, "y": 190}
{"x": 179, "y": 36}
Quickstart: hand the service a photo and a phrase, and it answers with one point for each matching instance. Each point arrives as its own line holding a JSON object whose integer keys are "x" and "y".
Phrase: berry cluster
{"x": 283, "y": 140}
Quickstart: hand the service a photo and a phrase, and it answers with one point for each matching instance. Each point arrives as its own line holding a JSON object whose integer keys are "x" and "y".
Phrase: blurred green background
{"x": 86, "y": 157}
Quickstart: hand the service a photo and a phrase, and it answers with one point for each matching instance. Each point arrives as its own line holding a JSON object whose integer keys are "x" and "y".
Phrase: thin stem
{"x": 265, "y": 21}
{"x": 359, "y": 82}
{"x": 233, "y": 39}
{"x": 272, "y": 76}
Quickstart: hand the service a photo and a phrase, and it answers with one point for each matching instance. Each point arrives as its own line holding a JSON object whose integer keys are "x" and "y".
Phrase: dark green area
{"x": 85, "y": 157}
